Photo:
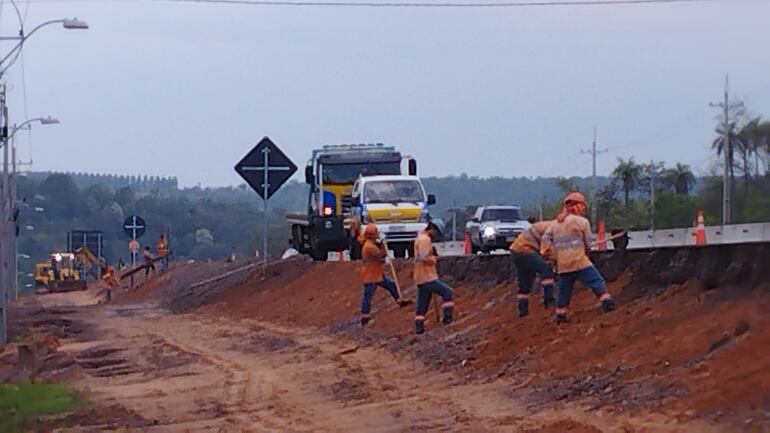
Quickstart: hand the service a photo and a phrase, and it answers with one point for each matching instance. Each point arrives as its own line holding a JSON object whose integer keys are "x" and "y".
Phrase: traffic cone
{"x": 467, "y": 244}
{"x": 700, "y": 229}
{"x": 601, "y": 245}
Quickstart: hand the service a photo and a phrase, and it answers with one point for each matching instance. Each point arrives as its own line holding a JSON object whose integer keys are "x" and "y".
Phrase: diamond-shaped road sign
{"x": 264, "y": 158}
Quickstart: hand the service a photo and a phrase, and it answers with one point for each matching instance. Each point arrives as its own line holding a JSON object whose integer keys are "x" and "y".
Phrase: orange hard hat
{"x": 371, "y": 231}
{"x": 574, "y": 198}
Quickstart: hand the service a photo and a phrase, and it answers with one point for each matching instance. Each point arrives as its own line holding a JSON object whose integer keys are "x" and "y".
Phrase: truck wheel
{"x": 474, "y": 249}
{"x": 319, "y": 254}
{"x": 399, "y": 251}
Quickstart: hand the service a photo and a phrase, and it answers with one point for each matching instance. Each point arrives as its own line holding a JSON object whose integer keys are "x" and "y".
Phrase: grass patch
{"x": 21, "y": 404}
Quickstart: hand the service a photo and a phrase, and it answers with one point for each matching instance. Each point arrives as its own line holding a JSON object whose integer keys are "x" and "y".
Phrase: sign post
{"x": 265, "y": 168}
{"x": 134, "y": 227}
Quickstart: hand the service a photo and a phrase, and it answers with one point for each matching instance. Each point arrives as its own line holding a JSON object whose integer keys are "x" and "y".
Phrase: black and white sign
{"x": 265, "y": 168}
{"x": 134, "y": 226}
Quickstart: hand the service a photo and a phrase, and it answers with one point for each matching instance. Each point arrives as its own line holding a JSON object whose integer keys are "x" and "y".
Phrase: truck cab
{"x": 331, "y": 173}
{"x": 397, "y": 204}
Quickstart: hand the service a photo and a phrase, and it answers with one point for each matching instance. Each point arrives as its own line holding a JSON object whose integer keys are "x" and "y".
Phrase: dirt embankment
{"x": 689, "y": 338}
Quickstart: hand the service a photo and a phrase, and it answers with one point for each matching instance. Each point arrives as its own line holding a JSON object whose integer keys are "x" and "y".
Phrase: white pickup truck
{"x": 397, "y": 204}
{"x": 495, "y": 227}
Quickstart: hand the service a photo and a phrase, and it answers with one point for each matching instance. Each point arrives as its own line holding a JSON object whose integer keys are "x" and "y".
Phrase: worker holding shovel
{"x": 374, "y": 253}
{"x": 569, "y": 237}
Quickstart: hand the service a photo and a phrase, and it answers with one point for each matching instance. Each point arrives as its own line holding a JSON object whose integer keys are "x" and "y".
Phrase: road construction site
{"x": 237, "y": 347}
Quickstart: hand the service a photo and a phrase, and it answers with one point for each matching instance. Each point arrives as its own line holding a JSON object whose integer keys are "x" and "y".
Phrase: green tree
{"x": 679, "y": 179}
{"x": 627, "y": 172}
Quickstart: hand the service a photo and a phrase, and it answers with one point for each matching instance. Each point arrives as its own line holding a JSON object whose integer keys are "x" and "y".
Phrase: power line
{"x": 420, "y": 4}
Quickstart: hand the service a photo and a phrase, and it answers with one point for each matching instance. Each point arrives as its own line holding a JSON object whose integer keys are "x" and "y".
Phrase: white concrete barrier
{"x": 730, "y": 234}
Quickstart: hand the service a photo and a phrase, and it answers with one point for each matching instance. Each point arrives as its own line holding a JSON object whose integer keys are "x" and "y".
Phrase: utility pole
{"x": 3, "y": 222}
{"x": 727, "y": 149}
{"x": 652, "y": 194}
{"x": 593, "y": 153}
{"x": 454, "y": 210}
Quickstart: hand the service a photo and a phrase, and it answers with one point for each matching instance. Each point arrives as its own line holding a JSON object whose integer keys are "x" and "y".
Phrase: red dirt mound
{"x": 689, "y": 351}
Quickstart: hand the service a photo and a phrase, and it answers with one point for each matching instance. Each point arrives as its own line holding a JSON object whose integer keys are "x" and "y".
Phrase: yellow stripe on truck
{"x": 396, "y": 215}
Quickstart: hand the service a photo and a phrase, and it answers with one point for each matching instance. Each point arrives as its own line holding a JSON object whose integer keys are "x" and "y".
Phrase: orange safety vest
{"x": 373, "y": 258}
{"x": 162, "y": 247}
{"x": 424, "y": 260}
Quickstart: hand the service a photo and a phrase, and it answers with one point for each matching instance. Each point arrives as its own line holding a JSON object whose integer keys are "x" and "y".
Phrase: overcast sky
{"x": 185, "y": 89}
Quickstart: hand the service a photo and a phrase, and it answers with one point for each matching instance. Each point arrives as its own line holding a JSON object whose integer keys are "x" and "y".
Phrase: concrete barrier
{"x": 715, "y": 235}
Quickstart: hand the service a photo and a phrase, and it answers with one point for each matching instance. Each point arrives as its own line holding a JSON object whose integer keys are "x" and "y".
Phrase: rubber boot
{"x": 548, "y": 299}
{"x": 448, "y": 315}
{"x": 404, "y": 302}
{"x": 561, "y": 318}
{"x": 419, "y": 326}
{"x": 608, "y": 305}
{"x": 365, "y": 321}
{"x": 523, "y": 307}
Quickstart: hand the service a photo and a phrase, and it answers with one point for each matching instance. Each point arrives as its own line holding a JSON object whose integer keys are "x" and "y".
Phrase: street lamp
{"x": 27, "y": 123}
{"x": 67, "y": 23}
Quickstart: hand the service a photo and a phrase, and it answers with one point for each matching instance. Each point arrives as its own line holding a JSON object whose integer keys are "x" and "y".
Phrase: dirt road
{"x": 195, "y": 372}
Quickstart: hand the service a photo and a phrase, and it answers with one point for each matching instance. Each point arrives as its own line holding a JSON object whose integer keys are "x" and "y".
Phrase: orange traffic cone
{"x": 700, "y": 229}
{"x": 601, "y": 245}
{"x": 467, "y": 244}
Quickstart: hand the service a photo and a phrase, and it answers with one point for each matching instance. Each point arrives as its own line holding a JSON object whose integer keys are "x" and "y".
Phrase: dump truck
{"x": 331, "y": 172}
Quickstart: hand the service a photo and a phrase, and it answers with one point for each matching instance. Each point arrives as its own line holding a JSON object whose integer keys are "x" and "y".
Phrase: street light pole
{"x": 8, "y": 236}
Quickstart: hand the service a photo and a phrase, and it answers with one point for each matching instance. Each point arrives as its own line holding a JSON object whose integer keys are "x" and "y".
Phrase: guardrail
{"x": 729, "y": 234}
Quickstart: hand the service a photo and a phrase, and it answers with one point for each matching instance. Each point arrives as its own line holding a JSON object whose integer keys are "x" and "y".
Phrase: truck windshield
{"x": 393, "y": 191}
{"x": 348, "y": 173}
{"x": 503, "y": 215}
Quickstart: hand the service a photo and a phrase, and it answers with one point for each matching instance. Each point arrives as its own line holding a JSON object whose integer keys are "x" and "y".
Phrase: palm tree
{"x": 728, "y": 146}
{"x": 755, "y": 135}
{"x": 627, "y": 173}
{"x": 682, "y": 178}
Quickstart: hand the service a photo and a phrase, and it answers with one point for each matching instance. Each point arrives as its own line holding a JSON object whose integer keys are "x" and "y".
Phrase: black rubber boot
{"x": 608, "y": 305}
{"x": 523, "y": 307}
{"x": 448, "y": 315}
{"x": 419, "y": 326}
{"x": 404, "y": 302}
{"x": 561, "y": 318}
{"x": 548, "y": 299}
{"x": 365, "y": 321}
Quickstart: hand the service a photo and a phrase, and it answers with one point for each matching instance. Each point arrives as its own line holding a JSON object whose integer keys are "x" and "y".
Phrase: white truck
{"x": 398, "y": 204}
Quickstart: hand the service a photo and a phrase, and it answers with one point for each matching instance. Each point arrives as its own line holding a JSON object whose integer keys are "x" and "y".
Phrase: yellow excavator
{"x": 58, "y": 274}
{"x": 88, "y": 263}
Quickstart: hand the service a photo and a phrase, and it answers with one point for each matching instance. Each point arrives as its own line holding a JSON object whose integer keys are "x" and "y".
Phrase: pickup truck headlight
{"x": 489, "y": 232}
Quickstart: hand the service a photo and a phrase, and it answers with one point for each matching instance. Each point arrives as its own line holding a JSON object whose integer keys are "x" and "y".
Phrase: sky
{"x": 186, "y": 89}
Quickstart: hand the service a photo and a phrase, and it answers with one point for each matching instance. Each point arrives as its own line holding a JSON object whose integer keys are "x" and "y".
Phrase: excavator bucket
{"x": 67, "y": 286}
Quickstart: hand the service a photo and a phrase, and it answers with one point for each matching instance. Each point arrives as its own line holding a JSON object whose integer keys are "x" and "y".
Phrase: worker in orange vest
{"x": 569, "y": 237}
{"x": 426, "y": 278}
{"x": 373, "y": 256}
{"x": 529, "y": 263}
{"x": 162, "y": 248}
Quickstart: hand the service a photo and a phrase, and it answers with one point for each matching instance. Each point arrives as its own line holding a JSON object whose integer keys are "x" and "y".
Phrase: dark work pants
{"x": 369, "y": 289}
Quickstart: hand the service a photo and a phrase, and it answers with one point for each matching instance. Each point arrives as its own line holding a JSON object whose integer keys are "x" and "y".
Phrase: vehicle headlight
{"x": 489, "y": 231}
{"x": 424, "y": 216}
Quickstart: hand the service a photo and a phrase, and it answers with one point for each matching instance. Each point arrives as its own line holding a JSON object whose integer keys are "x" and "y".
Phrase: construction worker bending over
{"x": 529, "y": 263}
{"x": 569, "y": 237}
{"x": 373, "y": 255}
{"x": 426, "y": 278}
